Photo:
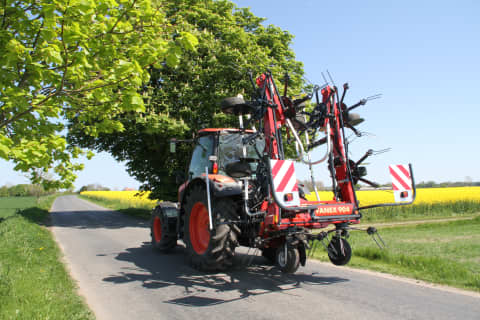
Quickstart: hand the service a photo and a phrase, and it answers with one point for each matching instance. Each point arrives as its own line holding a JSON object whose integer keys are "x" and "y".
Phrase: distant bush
{"x": 24, "y": 190}
{"x": 93, "y": 187}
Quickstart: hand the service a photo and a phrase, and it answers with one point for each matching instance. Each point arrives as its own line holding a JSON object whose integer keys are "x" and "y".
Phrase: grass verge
{"x": 33, "y": 282}
{"x": 445, "y": 253}
{"x": 142, "y": 212}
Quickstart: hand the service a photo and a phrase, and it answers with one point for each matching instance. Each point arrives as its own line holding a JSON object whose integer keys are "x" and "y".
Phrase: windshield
{"x": 230, "y": 150}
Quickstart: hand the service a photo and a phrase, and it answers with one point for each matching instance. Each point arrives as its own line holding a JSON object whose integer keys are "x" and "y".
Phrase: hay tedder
{"x": 240, "y": 189}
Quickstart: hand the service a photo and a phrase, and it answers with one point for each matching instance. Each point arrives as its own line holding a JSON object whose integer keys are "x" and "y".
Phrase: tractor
{"x": 240, "y": 190}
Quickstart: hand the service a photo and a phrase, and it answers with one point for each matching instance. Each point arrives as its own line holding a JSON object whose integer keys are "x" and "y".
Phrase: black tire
{"x": 339, "y": 251}
{"x": 164, "y": 239}
{"x": 270, "y": 254}
{"x": 215, "y": 253}
{"x": 292, "y": 262}
{"x": 236, "y": 106}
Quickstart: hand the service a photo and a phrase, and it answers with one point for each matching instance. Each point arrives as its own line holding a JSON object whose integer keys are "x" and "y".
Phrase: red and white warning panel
{"x": 285, "y": 182}
{"x": 401, "y": 182}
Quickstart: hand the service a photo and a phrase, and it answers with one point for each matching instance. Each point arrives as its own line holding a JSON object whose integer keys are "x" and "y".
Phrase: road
{"x": 110, "y": 256}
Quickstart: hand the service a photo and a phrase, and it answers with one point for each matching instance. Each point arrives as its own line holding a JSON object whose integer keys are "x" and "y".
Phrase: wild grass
{"x": 445, "y": 253}
{"x": 34, "y": 284}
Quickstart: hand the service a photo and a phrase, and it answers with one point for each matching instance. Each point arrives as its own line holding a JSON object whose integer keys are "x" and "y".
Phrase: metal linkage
{"x": 372, "y": 231}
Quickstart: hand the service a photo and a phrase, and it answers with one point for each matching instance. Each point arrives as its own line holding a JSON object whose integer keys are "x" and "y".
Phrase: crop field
{"x": 134, "y": 199}
{"x": 133, "y": 203}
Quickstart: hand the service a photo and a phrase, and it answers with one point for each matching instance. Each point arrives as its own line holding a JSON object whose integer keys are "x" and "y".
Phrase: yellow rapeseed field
{"x": 424, "y": 195}
{"x": 133, "y": 198}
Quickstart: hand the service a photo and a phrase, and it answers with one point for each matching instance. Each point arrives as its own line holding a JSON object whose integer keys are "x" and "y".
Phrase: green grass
{"x": 445, "y": 253}
{"x": 143, "y": 212}
{"x": 34, "y": 284}
{"x": 422, "y": 211}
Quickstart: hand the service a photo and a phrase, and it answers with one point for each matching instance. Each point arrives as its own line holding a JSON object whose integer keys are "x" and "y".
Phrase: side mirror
{"x": 173, "y": 145}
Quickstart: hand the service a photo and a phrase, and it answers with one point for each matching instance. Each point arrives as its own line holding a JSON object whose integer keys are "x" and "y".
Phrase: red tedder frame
{"x": 317, "y": 214}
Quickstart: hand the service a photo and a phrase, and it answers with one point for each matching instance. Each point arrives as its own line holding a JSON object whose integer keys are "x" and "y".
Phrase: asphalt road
{"x": 122, "y": 278}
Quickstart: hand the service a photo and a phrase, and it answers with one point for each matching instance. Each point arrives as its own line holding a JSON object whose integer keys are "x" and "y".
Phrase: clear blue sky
{"x": 423, "y": 56}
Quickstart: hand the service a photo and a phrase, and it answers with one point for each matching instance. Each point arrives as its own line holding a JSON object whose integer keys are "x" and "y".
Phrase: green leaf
{"x": 53, "y": 56}
{"x": 172, "y": 59}
{"x": 188, "y": 41}
{"x": 4, "y": 151}
{"x": 137, "y": 102}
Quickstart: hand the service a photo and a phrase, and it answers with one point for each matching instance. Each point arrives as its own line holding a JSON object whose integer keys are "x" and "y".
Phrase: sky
{"x": 422, "y": 56}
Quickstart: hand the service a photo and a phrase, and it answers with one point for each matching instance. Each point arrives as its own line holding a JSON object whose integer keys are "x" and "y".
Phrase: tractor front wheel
{"x": 163, "y": 239}
{"x": 290, "y": 262}
{"x": 209, "y": 250}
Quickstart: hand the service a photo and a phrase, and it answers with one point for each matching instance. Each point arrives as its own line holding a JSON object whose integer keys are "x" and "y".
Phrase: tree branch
{"x": 4, "y": 13}
{"x": 97, "y": 87}
{"x": 34, "y": 44}
{"x": 65, "y": 60}
{"x": 24, "y": 77}
{"x": 121, "y": 17}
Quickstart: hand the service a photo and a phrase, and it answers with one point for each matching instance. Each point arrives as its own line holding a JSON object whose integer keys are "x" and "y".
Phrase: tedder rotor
{"x": 241, "y": 190}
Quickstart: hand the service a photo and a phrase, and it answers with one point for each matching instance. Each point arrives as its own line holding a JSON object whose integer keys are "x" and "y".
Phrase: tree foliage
{"x": 24, "y": 190}
{"x": 74, "y": 59}
{"x": 181, "y": 100}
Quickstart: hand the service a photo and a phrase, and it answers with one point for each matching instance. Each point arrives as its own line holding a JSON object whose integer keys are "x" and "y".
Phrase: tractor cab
{"x": 223, "y": 153}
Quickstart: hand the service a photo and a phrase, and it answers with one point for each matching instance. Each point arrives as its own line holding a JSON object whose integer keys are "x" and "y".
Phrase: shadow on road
{"x": 155, "y": 271}
{"x": 89, "y": 219}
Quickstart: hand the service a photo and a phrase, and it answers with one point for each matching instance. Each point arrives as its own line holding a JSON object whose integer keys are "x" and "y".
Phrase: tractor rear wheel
{"x": 339, "y": 251}
{"x": 291, "y": 262}
{"x": 163, "y": 239}
{"x": 209, "y": 250}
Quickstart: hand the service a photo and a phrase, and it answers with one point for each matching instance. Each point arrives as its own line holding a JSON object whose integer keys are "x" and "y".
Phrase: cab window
{"x": 203, "y": 150}
{"x": 230, "y": 150}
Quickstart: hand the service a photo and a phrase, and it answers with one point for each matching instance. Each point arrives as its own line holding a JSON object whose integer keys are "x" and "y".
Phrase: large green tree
{"x": 180, "y": 100}
{"x": 75, "y": 60}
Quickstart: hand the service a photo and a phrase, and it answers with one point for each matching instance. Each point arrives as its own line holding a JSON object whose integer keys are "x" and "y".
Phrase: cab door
{"x": 200, "y": 156}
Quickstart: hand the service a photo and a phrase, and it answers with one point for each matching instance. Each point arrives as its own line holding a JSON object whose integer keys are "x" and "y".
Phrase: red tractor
{"x": 241, "y": 190}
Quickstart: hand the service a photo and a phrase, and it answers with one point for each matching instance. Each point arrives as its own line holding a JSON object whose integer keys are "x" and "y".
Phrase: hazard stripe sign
{"x": 401, "y": 183}
{"x": 401, "y": 179}
{"x": 285, "y": 184}
{"x": 284, "y": 179}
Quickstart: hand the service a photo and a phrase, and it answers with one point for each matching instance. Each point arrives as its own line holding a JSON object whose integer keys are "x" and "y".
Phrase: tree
{"x": 181, "y": 100}
{"x": 74, "y": 59}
